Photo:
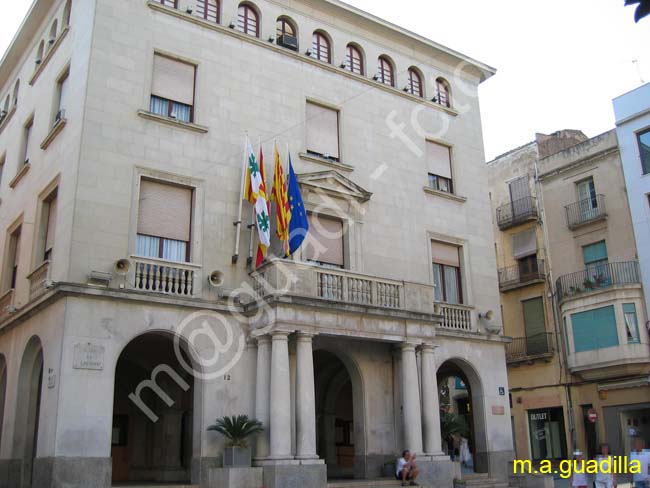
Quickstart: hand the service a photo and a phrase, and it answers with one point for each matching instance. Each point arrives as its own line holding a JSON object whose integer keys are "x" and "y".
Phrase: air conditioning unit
{"x": 290, "y": 42}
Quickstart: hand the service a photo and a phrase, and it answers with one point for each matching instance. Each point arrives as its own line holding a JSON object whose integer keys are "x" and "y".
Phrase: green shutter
{"x": 535, "y": 326}
{"x": 594, "y": 329}
{"x": 595, "y": 252}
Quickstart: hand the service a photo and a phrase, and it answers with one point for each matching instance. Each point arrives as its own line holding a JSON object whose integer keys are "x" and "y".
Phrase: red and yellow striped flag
{"x": 281, "y": 199}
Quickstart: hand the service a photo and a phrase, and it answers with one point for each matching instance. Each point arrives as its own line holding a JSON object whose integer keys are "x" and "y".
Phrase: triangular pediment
{"x": 334, "y": 184}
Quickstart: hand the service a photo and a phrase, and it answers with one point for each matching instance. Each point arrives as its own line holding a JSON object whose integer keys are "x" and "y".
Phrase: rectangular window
{"x": 631, "y": 322}
{"x": 62, "y": 93}
{"x": 13, "y": 259}
{"x": 322, "y": 126}
{"x": 172, "y": 91}
{"x": 447, "y": 272}
{"x": 439, "y": 165}
{"x": 27, "y": 142}
{"x": 535, "y": 326}
{"x": 594, "y": 329}
{"x": 48, "y": 223}
{"x": 164, "y": 216}
{"x": 325, "y": 241}
{"x": 644, "y": 150}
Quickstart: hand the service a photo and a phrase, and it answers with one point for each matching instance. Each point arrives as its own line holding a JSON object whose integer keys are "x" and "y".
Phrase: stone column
{"x": 430, "y": 403}
{"x": 305, "y": 399}
{"x": 262, "y": 395}
{"x": 412, "y": 416}
{"x": 280, "y": 397}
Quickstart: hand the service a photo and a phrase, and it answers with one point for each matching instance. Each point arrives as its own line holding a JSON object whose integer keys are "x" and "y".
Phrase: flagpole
{"x": 238, "y": 222}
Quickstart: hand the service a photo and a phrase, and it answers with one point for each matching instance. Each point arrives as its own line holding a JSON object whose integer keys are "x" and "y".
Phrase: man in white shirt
{"x": 642, "y": 479}
{"x": 407, "y": 471}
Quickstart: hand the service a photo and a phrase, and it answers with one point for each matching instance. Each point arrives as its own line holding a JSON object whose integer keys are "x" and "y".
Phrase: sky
{"x": 560, "y": 62}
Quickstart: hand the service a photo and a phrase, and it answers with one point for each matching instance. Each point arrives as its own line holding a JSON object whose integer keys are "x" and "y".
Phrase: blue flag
{"x": 299, "y": 225}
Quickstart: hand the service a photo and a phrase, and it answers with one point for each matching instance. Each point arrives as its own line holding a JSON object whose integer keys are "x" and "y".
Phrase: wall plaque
{"x": 88, "y": 356}
{"x": 498, "y": 410}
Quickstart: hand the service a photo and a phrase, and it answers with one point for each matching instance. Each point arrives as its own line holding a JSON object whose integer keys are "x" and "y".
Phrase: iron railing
{"x": 536, "y": 345}
{"x": 585, "y": 211}
{"x": 597, "y": 277}
{"x": 516, "y": 212}
{"x": 519, "y": 275}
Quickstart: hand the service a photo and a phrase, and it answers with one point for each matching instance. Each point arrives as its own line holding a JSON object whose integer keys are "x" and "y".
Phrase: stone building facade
{"x": 571, "y": 296}
{"x": 131, "y": 318}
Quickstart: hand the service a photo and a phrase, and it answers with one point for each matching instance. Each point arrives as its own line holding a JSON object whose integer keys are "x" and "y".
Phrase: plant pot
{"x": 237, "y": 457}
{"x": 388, "y": 469}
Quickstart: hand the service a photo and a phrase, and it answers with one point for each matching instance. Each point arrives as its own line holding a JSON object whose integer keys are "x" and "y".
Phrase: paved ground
{"x": 560, "y": 483}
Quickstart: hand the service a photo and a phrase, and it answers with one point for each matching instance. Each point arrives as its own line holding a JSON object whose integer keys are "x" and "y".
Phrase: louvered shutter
{"x": 438, "y": 159}
{"x": 173, "y": 80}
{"x": 443, "y": 253}
{"x": 164, "y": 211}
{"x": 325, "y": 240}
{"x": 322, "y": 130}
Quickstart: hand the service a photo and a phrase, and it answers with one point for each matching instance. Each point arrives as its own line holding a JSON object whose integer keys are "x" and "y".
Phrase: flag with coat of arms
{"x": 255, "y": 193}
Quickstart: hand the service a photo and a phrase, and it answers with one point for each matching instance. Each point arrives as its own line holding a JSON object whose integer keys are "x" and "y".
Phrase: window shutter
{"x": 51, "y": 223}
{"x": 535, "y": 327}
{"x": 594, "y": 329}
{"x": 438, "y": 159}
{"x": 164, "y": 211}
{"x": 519, "y": 188}
{"x": 524, "y": 244}
{"x": 173, "y": 80}
{"x": 326, "y": 240}
{"x": 322, "y": 130}
{"x": 595, "y": 252}
{"x": 443, "y": 253}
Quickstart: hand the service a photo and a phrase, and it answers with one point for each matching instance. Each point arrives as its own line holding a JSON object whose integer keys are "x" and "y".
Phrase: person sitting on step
{"x": 407, "y": 471}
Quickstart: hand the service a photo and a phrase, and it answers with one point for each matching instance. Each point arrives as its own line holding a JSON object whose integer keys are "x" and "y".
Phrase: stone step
{"x": 480, "y": 482}
{"x": 383, "y": 483}
{"x": 152, "y": 485}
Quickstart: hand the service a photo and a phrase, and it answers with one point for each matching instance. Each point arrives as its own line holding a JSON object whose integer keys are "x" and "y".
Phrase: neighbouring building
{"x": 130, "y": 318}
{"x": 571, "y": 296}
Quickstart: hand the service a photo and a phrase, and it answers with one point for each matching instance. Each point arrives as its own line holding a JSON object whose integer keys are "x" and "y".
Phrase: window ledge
{"x": 7, "y": 118}
{"x": 172, "y": 122}
{"x": 444, "y": 194}
{"x": 327, "y": 162}
{"x": 48, "y": 55}
{"x": 23, "y": 171}
{"x": 58, "y": 127}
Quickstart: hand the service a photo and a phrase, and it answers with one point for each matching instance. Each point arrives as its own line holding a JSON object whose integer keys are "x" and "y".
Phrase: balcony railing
{"x": 597, "y": 277}
{"x": 158, "y": 276}
{"x": 38, "y": 280}
{"x": 516, "y": 212}
{"x": 456, "y": 317}
{"x": 585, "y": 211}
{"x": 516, "y": 276}
{"x": 530, "y": 347}
{"x": 360, "y": 290}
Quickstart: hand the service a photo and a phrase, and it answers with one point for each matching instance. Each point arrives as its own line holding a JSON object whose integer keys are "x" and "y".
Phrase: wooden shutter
{"x": 447, "y": 254}
{"x": 322, "y": 130}
{"x": 524, "y": 244}
{"x": 438, "y": 159}
{"x": 51, "y": 223}
{"x": 519, "y": 188}
{"x": 595, "y": 252}
{"x": 173, "y": 80}
{"x": 164, "y": 211}
{"x": 594, "y": 329}
{"x": 326, "y": 240}
{"x": 534, "y": 319}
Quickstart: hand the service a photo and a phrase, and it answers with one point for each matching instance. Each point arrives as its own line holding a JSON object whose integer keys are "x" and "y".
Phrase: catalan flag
{"x": 281, "y": 198}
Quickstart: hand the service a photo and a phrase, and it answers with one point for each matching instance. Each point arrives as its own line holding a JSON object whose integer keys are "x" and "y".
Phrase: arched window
{"x": 355, "y": 59}
{"x": 53, "y": 31}
{"x": 66, "y": 13}
{"x": 415, "y": 83}
{"x": 386, "y": 73}
{"x": 321, "y": 47}
{"x": 443, "y": 93}
{"x": 208, "y": 10}
{"x": 248, "y": 20}
{"x": 16, "y": 89}
{"x": 286, "y": 33}
{"x": 39, "y": 52}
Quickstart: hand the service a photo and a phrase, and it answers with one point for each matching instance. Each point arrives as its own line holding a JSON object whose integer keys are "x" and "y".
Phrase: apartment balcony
{"x": 597, "y": 278}
{"x": 518, "y": 276}
{"x": 586, "y": 211}
{"x": 344, "y": 291}
{"x": 165, "y": 277}
{"x": 517, "y": 212}
{"x": 38, "y": 280}
{"x": 528, "y": 349}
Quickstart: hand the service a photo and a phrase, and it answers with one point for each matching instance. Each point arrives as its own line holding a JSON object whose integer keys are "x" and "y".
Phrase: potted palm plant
{"x": 237, "y": 429}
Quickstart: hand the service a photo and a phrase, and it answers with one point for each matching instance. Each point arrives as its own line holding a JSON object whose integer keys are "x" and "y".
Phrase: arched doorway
{"x": 153, "y": 411}
{"x": 28, "y": 409}
{"x": 340, "y": 438}
{"x": 461, "y": 402}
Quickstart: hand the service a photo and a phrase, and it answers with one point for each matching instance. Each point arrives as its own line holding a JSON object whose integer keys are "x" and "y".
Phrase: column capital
{"x": 280, "y": 335}
{"x": 263, "y": 339}
{"x": 428, "y": 348}
{"x": 408, "y": 346}
{"x": 305, "y": 335}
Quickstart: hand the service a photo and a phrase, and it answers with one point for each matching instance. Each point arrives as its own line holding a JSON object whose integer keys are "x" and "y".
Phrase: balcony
{"x": 597, "y": 278}
{"x": 523, "y": 349}
{"x": 610, "y": 362}
{"x": 517, "y": 212}
{"x": 38, "y": 280}
{"x": 169, "y": 278}
{"x": 586, "y": 211}
{"x": 6, "y": 304}
{"x": 340, "y": 288}
{"x": 514, "y": 277}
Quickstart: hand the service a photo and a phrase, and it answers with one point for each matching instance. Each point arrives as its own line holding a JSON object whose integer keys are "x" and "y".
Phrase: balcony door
{"x": 520, "y": 197}
{"x": 535, "y": 326}
{"x": 587, "y": 201}
{"x": 597, "y": 265}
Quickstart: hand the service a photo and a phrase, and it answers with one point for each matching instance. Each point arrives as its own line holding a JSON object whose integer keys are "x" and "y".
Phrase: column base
{"x": 276, "y": 462}
{"x": 235, "y": 477}
{"x": 72, "y": 472}
{"x": 295, "y": 476}
{"x": 436, "y": 473}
